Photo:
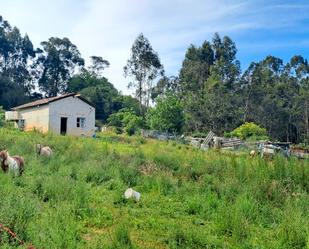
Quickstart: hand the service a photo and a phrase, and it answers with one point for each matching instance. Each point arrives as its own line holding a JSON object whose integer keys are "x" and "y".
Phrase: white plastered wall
{"x": 35, "y": 118}
{"x": 72, "y": 108}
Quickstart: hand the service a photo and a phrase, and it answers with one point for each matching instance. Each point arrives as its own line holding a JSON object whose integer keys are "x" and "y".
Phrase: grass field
{"x": 190, "y": 198}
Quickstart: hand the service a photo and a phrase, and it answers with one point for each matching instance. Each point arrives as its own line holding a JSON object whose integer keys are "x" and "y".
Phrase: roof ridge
{"x": 43, "y": 101}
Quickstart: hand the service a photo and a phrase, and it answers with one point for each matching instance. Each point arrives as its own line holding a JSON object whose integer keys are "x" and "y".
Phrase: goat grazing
{"x": 11, "y": 163}
{"x": 252, "y": 153}
{"x": 44, "y": 150}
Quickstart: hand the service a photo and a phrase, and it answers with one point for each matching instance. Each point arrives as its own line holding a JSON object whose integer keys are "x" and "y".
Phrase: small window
{"x": 21, "y": 124}
{"x": 81, "y": 122}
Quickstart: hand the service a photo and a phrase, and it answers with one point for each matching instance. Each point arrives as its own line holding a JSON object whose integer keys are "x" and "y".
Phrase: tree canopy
{"x": 58, "y": 60}
{"x": 209, "y": 93}
{"x": 144, "y": 66}
{"x": 167, "y": 115}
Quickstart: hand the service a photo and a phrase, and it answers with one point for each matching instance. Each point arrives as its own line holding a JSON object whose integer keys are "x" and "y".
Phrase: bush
{"x": 248, "y": 130}
{"x": 125, "y": 120}
{"x": 2, "y": 117}
{"x": 122, "y": 238}
{"x": 199, "y": 134}
{"x": 131, "y": 123}
{"x": 167, "y": 115}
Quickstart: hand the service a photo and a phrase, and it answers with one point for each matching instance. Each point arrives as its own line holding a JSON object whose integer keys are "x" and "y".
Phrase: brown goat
{"x": 11, "y": 163}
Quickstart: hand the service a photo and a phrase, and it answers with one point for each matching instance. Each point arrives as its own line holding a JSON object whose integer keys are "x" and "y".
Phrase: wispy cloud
{"x": 108, "y": 28}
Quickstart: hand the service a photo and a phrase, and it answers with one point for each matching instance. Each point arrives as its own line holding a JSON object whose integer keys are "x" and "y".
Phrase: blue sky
{"x": 108, "y": 28}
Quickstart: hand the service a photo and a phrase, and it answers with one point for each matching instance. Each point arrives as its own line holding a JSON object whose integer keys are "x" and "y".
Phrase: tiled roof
{"x": 49, "y": 100}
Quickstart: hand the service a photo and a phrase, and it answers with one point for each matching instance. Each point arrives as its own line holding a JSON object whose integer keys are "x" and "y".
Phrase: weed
{"x": 190, "y": 198}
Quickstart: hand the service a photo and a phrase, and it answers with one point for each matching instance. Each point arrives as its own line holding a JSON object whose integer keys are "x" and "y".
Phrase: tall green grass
{"x": 190, "y": 198}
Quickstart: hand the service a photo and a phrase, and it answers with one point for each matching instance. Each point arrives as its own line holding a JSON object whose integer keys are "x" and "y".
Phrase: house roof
{"x": 46, "y": 101}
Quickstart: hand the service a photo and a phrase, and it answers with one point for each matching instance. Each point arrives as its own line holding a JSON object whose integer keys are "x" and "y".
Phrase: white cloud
{"x": 108, "y": 28}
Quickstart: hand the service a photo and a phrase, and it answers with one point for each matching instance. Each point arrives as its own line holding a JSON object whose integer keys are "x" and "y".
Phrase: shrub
{"x": 248, "y": 130}
{"x": 167, "y": 185}
{"x": 17, "y": 209}
{"x": 132, "y": 123}
{"x": 167, "y": 115}
{"x": 290, "y": 230}
{"x": 122, "y": 238}
{"x": 55, "y": 228}
{"x": 129, "y": 176}
{"x": 115, "y": 119}
{"x": 194, "y": 206}
{"x": 185, "y": 239}
{"x": 125, "y": 120}
{"x": 2, "y": 117}
{"x": 199, "y": 134}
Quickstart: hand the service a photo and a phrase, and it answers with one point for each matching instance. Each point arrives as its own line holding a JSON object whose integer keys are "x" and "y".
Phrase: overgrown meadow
{"x": 190, "y": 198}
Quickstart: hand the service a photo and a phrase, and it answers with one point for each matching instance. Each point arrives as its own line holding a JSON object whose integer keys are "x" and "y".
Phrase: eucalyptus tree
{"x": 167, "y": 115}
{"x": 98, "y": 64}
{"x": 164, "y": 86}
{"x": 144, "y": 66}
{"x": 16, "y": 57}
{"x": 207, "y": 78}
{"x": 58, "y": 61}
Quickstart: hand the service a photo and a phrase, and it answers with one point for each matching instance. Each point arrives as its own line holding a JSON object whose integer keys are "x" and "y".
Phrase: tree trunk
{"x": 246, "y": 110}
{"x": 288, "y": 130}
{"x": 140, "y": 89}
{"x": 246, "y": 106}
{"x": 306, "y": 118}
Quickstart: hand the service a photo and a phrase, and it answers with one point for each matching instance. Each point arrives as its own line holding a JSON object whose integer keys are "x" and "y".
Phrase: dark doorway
{"x": 63, "y": 126}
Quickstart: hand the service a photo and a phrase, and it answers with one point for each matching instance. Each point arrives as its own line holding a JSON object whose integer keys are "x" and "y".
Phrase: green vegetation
{"x": 248, "y": 131}
{"x": 143, "y": 67}
{"x": 167, "y": 115}
{"x": 210, "y": 87}
{"x": 2, "y": 117}
{"x": 125, "y": 121}
{"x": 190, "y": 198}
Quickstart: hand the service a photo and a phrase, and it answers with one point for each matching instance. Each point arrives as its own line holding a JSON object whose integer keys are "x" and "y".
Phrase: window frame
{"x": 81, "y": 122}
{"x": 21, "y": 124}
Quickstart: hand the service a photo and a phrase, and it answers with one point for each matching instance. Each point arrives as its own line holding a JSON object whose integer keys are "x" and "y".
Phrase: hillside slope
{"x": 190, "y": 198}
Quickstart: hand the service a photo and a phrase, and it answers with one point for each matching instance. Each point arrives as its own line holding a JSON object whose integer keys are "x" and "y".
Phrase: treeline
{"x": 209, "y": 93}
{"x": 56, "y": 67}
{"x": 218, "y": 97}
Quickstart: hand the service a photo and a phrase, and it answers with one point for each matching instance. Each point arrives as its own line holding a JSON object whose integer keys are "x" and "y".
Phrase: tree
{"x": 98, "y": 64}
{"x": 196, "y": 68}
{"x": 207, "y": 80}
{"x": 164, "y": 86}
{"x": 143, "y": 67}
{"x": 16, "y": 57}
{"x": 125, "y": 120}
{"x": 58, "y": 60}
{"x": 300, "y": 74}
{"x": 274, "y": 94}
{"x": 2, "y": 117}
{"x": 225, "y": 66}
{"x": 210, "y": 88}
{"x": 11, "y": 94}
{"x": 167, "y": 115}
{"x": 192, "y": 78}
{"x": 260, "y": 87}
{"x": 98, "y": 90}
{"x": 126, "y": 102}
{"x": 304, "y": 99}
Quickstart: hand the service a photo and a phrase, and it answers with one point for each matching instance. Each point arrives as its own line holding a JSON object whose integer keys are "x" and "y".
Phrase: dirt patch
{"x": 148, "y": 169}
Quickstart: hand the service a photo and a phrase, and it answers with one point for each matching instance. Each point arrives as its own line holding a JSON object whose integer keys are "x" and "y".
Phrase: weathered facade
{"x": 67, "y": 114}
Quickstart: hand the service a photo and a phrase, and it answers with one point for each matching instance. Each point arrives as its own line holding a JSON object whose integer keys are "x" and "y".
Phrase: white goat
{"x": 44, "y": 150}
